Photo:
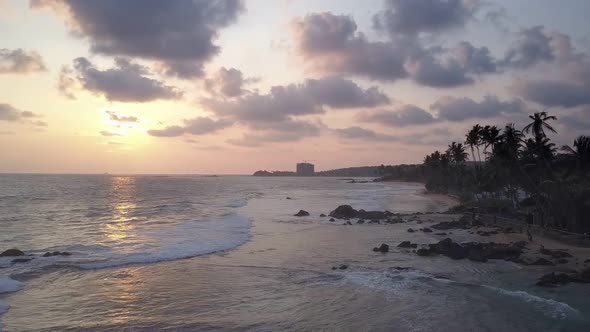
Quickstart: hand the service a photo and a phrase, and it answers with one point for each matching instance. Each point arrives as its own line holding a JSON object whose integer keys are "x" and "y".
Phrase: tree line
{"x": 512, "y": 170}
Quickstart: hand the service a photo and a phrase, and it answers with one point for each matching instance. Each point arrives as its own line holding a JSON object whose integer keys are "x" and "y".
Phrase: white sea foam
{"x": 179, "y": 241}
{"x": 8, "y": 285}
{"x": 550, "y": 307}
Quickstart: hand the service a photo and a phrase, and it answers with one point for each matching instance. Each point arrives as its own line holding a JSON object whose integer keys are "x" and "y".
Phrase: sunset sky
{"x": 230, "y": 87}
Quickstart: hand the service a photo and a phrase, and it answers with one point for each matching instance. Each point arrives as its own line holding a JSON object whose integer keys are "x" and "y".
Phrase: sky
{"x": 231, "y": 87}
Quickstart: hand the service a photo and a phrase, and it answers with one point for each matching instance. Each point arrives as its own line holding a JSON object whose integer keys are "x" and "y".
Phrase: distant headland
{"x": 307, "y": 169}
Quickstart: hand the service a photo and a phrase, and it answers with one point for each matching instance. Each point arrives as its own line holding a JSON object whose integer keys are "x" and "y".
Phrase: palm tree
{"x": 512, "y": 140}
{"x": 489, "y": 136}
{"x": 539, "y": 124}
{"x": 473, "y": 139}
{"x": 580, "y": 152}
{"x": 456, "y": 152}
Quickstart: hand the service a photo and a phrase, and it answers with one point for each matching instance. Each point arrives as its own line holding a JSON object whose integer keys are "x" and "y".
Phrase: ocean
{"x": 201, "y": 253}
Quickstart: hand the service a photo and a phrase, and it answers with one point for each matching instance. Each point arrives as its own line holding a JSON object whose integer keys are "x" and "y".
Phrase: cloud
{"x": 356, "y": 132}
{"x": 11, "y": 114}
{"x": 532, "y": 47}
{"x": 288, "y": 130}
{"x": 227, "y": 82}
{"x": 330, "y": 44}
{"x": 446, "y": 108}
{"x": 404, "y": 115}
{"x": 460, "y": 109}
{"x": 411, "y": 17}
{"x": 310, "y": 97}
{"x": 342, "y": 93}
{"x": 554, "y": 93}
{"x": 569, "y": 85}
{"x": 577, "y": 120}
{"x": 38, "y": 123}
{"x": 113, "y": 116}
{"x": 180, "y": 35}
{"x": 109, "y": 133}
{"x": 126, "y": 82}
{"x": 19, "y": 61}
{"x": 196, "y": 126}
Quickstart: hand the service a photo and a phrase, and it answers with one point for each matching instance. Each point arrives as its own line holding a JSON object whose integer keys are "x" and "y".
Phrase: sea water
{"x": 226, "y": 253}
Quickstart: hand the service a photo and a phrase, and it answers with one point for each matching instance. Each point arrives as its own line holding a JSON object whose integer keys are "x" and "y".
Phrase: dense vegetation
{"x": 519, "y": 170}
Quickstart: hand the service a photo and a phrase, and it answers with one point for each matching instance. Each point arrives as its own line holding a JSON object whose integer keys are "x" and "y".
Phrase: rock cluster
{"x": 12, "y": 253}
{"x": 479, "y": 252}
{"x": 301, "y": 213}
{"x": 348, "y": 212}
{"x": 382, "y": 248}
{"x": 556, "y": 279}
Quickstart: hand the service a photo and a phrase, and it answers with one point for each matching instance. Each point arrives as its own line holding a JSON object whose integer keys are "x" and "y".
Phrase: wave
{"x": 180, "y": 241}
{"x": 8, "y": 285}
{"x": 392, "y": 282}
{"x": 553, "y": 308}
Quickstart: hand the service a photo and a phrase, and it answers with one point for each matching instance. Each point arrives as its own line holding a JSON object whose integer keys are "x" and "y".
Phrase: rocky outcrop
{"x": 541, "y": 261}
{"x": 479, "y": 252}
{"x": 557, "y": 279}
{"x": 322, "y": 215}
{"x": 12, "y": 253}
{"x": 382, "y": 248}
{"x": 301, "y": 213}
{"x": 555, "y": 253}
{"x": 56, "y": 253}
{"x": 407, "y": 244}
{"x": 446, "y": 225}
{"x": 343, "y": 211}
{"x": 347, "y": 211}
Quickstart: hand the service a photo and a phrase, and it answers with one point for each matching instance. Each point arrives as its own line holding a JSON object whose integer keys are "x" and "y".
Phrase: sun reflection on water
{"x": 123, "y": 204}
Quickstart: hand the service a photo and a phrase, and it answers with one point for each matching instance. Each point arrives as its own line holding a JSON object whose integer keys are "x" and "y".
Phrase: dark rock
{"x": 21, "y": 260}
{"x": 410, "y": 230}
{"x": 486, "y": 233}
{"x": 374, "y": 221}
{"x": 344, "y": 211}
{"x": 426, "y": 230}
{"x": 587, "y": 261}
{"x": 414, "y": 245}
{"x": 12, "y": 253}
{"x": 56, "y": 253}
{"x": 477, "y": 255}
{"x": 360, "y": 221}
{"x": 348, "y": 223}
{"x": 288, "y": 198}
{"x": 424, "y": 252}
{"x": 555, "y": 253}
{"x": 332, "y": 219}
{"x": 405, "y": 244}
{"x": 450, "y": 249}
{"x": 382, "y": 248}
{"x": 442, "y": 233}
{"x": 480, "y": 252}
{"x": 562, "y": 261}
{"x": 343, "y": 267}
{"x": 446, "y": 225}
{"x": 542, "y": 261}
{"x": 334, "y": 268}
{"x": 301, "y": 213}
{"x": 554, "y": 280}
{"x": 374, "y": 214}
{"x": 322, "y": 215}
